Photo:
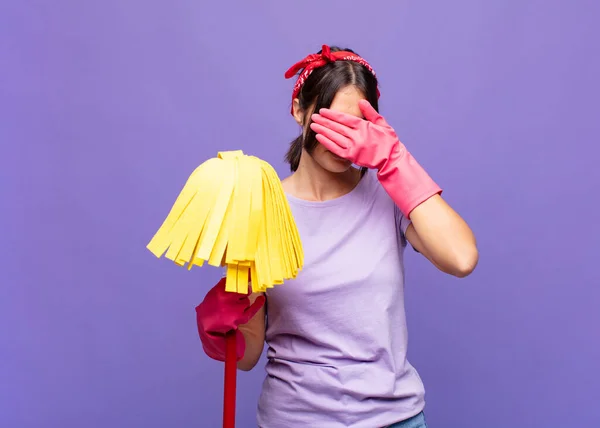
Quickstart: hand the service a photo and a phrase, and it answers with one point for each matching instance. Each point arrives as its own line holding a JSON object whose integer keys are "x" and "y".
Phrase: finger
{"x": 334, "y": 126}
{"x": 217, "y": 329}
{"x": 331, "y": 146}
{"x": 335, "y": 137}
{"x": 370, "y": 113}
{"x": 339, "y": 117}
{"x": 214, "y": 348}
{"x": 253, "y": 309}
{"x": 220, "y": 286}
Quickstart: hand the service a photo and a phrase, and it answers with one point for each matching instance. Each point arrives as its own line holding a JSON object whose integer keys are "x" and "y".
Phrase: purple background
{"x": 106, "y": 107}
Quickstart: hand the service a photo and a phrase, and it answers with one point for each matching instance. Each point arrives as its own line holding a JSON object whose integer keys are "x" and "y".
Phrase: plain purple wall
{"x": 107, "y": 106}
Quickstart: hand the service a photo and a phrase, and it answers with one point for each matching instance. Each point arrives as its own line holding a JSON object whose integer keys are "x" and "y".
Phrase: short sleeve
{"x": 402, "y": 223}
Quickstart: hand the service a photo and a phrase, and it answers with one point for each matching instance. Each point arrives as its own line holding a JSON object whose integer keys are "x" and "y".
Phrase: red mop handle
{"x": 230, "y": 380}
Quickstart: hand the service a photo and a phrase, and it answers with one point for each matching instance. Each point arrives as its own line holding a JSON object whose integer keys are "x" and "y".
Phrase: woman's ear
{"x": 298, "y": 113}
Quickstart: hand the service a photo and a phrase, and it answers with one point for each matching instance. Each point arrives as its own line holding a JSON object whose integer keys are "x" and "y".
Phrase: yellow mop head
{"x": 233, "y": 212}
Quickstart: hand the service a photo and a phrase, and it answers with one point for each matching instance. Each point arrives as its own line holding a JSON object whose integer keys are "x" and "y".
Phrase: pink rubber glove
{"x": 372, "y": 143}
{"x": 221, "y": 312}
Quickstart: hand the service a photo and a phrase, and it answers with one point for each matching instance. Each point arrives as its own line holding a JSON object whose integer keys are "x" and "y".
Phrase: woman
{"x": 336, "y": 334}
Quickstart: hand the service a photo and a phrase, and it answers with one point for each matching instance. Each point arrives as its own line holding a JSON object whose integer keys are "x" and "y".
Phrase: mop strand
{"x": 233, "y": 212}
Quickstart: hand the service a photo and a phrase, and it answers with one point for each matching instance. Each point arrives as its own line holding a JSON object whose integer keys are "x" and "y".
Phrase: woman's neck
{"x": 312, "y": 182}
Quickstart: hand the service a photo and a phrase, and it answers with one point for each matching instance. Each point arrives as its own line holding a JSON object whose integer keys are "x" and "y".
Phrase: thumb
{"x": 253, "y": 309}
{"x": 370, "y": 113}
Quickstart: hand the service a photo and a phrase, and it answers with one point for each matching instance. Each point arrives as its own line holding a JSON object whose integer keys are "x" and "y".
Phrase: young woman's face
{"x": 346, "y": 101}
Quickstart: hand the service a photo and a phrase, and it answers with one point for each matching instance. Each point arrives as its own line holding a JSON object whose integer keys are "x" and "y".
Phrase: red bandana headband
{"x": 312, "y": 61}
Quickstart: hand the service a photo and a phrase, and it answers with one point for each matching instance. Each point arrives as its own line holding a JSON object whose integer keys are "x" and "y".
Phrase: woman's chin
{"x": 337, "y": 164}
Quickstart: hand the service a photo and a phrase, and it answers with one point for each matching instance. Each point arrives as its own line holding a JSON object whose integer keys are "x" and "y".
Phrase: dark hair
{"x": 319, "y": 90}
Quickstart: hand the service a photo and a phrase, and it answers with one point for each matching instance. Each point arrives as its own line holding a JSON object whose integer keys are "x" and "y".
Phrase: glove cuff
{"x": 406, "y": 181}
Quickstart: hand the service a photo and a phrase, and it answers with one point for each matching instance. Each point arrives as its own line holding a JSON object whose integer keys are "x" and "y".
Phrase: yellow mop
{"x": 233, "y": 212}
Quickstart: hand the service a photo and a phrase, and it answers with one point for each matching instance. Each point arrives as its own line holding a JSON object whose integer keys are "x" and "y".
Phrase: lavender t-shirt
{"x": 336, "y": 334}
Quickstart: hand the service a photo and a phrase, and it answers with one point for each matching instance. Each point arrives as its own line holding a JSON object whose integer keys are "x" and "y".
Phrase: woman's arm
{"x": 437, "y": 231}
{"x": 254, "y": 335}
{"x": 443, "y": 237}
